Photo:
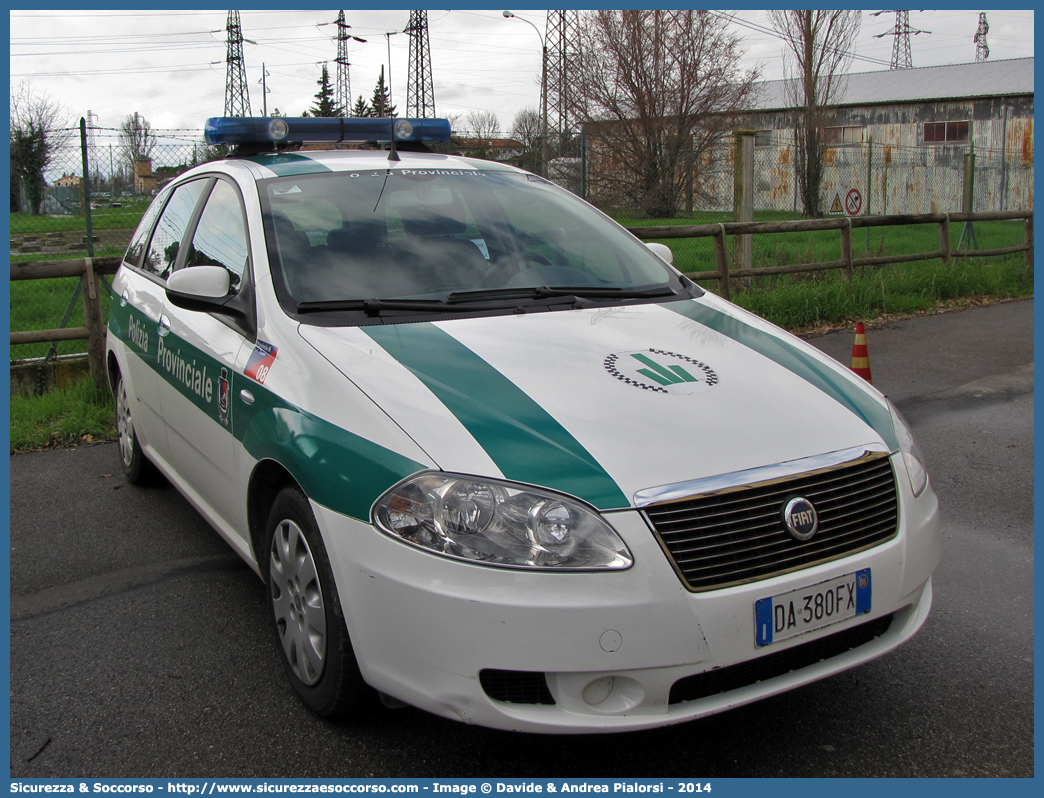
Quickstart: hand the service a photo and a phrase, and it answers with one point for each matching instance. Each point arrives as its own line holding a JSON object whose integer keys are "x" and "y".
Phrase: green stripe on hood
{"x": 846, "y": 391}
{"x": 525, "y": 442}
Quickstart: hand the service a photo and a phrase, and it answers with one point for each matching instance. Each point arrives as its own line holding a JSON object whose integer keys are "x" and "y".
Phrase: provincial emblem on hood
{"x": 660, "y": 371}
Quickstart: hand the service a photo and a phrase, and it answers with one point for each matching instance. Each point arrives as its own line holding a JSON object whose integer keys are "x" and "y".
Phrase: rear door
{"x": 140, "y": 305}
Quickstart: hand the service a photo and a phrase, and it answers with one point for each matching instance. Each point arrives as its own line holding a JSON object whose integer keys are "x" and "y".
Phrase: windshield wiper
{"x": 485, "y": 299}
{"x": 372, "y": 307}
{"x": 563, "y": 292}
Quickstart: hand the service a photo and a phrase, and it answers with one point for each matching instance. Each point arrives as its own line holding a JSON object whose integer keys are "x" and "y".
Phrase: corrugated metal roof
{"x": 956, "y": 81}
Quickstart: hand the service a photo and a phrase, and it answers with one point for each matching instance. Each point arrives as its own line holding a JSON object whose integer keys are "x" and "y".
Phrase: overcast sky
{"x": 170, "y": 65}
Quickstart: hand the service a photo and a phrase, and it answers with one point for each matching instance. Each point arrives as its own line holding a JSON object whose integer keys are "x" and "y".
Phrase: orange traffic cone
{"x": 860, "y": 357}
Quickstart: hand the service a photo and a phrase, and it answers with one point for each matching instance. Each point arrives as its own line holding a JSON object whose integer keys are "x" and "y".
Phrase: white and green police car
{"x": 493, "y": 457}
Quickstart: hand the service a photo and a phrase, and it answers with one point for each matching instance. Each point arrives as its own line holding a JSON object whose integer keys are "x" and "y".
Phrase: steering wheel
{"x": 534, "y": 257}
{"x": 505, "y": 266}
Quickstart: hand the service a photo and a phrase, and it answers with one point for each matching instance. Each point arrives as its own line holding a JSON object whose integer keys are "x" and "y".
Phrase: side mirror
{"x": 206, "y": 289}
{"x": 199, "y": 282}
{"x": 662, "y": 251}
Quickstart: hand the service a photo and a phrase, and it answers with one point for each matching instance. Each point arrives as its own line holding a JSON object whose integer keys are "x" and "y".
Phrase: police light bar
{"x": 262, "y": 130}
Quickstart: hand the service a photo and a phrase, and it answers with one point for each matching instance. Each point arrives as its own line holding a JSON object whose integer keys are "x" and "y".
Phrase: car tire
{"x": 137, "y": 468}
{"x": 306, "y": 612}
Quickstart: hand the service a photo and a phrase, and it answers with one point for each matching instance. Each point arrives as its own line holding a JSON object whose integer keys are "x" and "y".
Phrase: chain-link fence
{"x": 878, "y": 179}
{"x": 51, "y": 222}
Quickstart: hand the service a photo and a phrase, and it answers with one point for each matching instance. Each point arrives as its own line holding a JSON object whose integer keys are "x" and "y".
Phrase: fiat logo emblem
{"x": 800, "y": 518}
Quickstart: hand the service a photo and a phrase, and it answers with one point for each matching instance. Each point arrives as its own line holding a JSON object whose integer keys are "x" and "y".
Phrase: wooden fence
{"x": 89, "y": 269}
{"x": 845, "y": 225}
{"x": 93, "y": 329}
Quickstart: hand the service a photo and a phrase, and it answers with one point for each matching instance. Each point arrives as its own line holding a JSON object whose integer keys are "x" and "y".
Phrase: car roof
{"x": 305, "y": 162}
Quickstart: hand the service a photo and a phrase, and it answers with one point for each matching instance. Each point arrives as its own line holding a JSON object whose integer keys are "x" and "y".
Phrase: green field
{"x": 105, "y": 218}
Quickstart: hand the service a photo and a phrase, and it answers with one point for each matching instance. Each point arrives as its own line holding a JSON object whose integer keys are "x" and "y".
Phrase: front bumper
{"x": 610, "y": 646}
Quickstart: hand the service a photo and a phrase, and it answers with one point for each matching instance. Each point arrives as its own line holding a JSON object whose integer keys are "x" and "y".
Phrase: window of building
{"x": 849, "y": 134}
{"x": 945, "y": 131}
{"x": 762, "y": 138}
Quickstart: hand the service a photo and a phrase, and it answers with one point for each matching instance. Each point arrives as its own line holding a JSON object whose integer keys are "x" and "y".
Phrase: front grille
{"x": 732, "y": 677}
{"x": 737, "y": 535}
{"x": 515, "y": 687}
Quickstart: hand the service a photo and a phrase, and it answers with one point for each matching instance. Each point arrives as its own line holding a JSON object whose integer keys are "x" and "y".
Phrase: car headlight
{"x": 497, "y": 523}
{"x": 912, "y": 456}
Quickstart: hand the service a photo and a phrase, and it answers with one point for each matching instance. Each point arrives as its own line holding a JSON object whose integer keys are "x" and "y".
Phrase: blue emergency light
{"x": 279, "y": 129}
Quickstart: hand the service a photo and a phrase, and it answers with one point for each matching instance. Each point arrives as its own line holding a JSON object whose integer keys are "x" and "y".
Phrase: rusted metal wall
{"x": 901, "y": 173}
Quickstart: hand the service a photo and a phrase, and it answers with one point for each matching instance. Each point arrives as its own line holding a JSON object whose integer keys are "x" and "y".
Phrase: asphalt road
{"x": 140, "y": 644}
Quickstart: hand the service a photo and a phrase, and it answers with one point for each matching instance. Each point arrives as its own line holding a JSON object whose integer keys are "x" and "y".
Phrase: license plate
{"x": 798, "y": 611}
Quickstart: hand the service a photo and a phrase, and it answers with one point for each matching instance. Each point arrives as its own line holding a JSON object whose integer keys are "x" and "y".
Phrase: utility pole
{"x": 982, "y": 50}
{"x": 92, "y": 150}
{"x": 264, "y": 90}
{"x": 420, "y": 93}
{"x": 902, "y": 57}
{"x": 543, "y": 88}
{"x": 237, "y": 98}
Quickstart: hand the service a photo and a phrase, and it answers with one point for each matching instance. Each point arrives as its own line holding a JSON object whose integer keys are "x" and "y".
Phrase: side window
{"x": 221, "y": 236}
{"x": 141, "y": 235}
{"x": 163, "y": 249}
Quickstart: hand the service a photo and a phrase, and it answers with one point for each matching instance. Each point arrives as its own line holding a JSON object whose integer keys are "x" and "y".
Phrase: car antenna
{"x": 393, "y": 155}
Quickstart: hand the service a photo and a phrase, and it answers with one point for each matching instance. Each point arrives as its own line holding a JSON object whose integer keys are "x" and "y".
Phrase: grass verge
{"x": 804, "y": 303}
{"x": 80, "y": 413}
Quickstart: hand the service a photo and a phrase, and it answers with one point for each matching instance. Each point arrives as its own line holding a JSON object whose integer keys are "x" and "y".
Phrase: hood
{"x": 603, "y": 403}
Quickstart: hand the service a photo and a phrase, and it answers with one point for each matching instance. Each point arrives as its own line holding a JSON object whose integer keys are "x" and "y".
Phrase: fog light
{"x": 597, "y": 691}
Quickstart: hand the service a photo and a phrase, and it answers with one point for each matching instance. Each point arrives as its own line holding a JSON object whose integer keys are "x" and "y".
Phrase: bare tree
{"x": 483, "y": 124}
{"x": 527, "y": 130}
{"x": 656, "y": 89}
{"x": 136, "y": 139}
{"x": 39, "y": 128}
{"x": 818, "y": 51}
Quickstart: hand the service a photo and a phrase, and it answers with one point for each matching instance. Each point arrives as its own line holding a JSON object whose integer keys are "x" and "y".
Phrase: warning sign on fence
{"x": 852, "y": 205}
{"x": 853, "y": 202}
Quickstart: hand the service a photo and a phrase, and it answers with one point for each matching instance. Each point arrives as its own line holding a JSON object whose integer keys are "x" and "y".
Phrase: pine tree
{"x": 361, "y": 107}
{"x": 324, "y": 98}
{"x": 380, "y": 105}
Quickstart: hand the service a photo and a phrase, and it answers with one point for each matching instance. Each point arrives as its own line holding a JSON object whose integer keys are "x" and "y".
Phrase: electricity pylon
{"x": 562, "y": 35}
{"x": 902, "y": 57}
{"x": 343, "y": 90}
{"x": 420, "y": 93}
{"x": 237, "y": 98}
{"x": 982, "y": 50}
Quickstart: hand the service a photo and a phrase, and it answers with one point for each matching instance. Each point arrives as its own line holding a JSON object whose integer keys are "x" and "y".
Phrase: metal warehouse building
{"x": 899, "y": 138}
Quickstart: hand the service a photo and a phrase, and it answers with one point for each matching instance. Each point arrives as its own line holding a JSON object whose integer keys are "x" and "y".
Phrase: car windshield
{"x": 392, "y": 237}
